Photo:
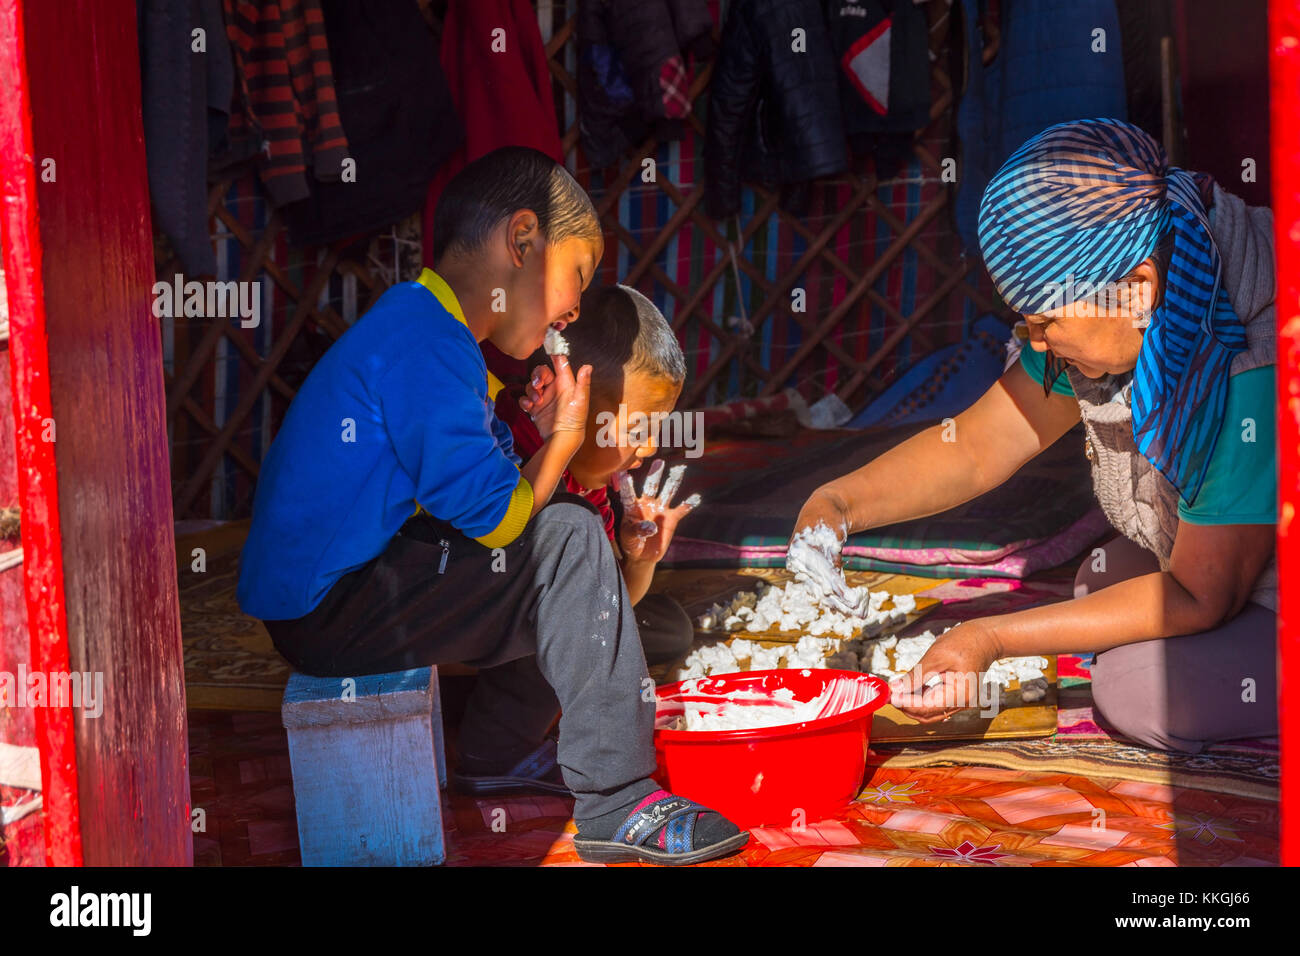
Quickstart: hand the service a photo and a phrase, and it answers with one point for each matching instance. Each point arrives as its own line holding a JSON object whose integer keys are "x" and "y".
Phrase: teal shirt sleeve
{"x": 1241, "y": 482}
{"x": 1035, "y": 365}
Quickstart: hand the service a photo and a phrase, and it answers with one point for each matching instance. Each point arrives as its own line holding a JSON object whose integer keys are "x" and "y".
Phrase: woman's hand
{"x": 556, "y": 401}
{"x": 825, "y": 507}
{"x": 820, "y": 564}
{"x": 649, "y": 520}
{"x": 940, "y": 684}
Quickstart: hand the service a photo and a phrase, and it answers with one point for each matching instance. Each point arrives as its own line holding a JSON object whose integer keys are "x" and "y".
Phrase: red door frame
{"x": 85, "y": 355}
{"x": 1284, "y": 43}
{"x": 38, "y": 487}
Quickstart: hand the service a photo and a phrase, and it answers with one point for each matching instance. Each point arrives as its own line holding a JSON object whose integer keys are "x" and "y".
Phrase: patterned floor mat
{"x": 1083, "y": 744}
{"x": 948, "y": 816}
{"x": 1080, "y": 798}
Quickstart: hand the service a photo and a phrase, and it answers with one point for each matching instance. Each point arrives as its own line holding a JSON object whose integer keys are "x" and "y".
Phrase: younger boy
{"x": 394, "y": 527}
{"x": 636, "y": 363}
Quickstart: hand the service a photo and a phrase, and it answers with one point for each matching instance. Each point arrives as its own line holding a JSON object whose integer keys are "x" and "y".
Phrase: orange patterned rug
{"x": 946, "y": 816}
{"x": 1090, "y": 800}
{"x": 951, "y": 816}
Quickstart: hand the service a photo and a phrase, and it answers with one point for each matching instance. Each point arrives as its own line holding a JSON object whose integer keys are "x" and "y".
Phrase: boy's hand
{"x": 556, "y": 401}
{"x": 650, "y": 519}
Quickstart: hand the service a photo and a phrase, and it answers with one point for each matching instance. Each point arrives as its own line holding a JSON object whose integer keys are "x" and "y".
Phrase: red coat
{"x": 503, "y": 98}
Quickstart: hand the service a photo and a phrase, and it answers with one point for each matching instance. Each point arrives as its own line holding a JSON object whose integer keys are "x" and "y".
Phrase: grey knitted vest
{"x": 1137, "y": 499}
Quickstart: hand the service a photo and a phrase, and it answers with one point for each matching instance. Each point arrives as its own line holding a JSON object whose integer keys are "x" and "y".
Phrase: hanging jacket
{"x": 774, "y": 108}
{"x": 882, "y": 50}
{"x": 633, "y": 71}
{"x": 185, "y": 102}
{"x": 286, "y": 93}
{"x": 397, "y": 109}
{"x": 503, "y": 96}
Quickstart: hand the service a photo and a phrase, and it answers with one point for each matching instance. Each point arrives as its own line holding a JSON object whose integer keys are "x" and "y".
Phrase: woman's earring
{"x": 1053, "y": 368}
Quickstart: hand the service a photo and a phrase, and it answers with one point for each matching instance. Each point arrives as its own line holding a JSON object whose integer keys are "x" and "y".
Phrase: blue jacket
{"x": 398, "y": 414}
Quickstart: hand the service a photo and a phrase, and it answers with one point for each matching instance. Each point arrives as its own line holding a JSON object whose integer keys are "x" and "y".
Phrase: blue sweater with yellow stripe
{"x": 397, "y": 415}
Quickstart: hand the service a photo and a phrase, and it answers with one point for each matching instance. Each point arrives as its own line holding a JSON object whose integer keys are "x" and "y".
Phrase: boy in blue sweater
{"x": 394, "y": 526}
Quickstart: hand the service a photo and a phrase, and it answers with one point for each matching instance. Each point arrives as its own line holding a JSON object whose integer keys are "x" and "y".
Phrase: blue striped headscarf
{"x": 1082, "y": 204}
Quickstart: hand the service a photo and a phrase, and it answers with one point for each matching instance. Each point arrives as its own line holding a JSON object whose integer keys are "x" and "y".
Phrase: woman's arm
{"x": 1211, "y": 573}
{"x": 946, "y": 465}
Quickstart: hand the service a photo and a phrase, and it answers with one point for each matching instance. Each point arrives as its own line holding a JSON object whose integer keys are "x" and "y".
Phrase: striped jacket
{"x": 286, "y": 92}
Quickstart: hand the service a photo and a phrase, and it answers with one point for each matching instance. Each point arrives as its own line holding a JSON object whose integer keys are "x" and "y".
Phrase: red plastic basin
{"x": 776, "y": 776}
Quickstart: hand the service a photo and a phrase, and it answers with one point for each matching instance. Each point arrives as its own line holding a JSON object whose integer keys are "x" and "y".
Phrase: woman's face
{"x": 1100, "y": 334}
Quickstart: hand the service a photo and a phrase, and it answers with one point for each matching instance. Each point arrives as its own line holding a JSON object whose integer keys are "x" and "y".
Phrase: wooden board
{"x": 1014, "y": 719}
{"x": 85, "y": 352}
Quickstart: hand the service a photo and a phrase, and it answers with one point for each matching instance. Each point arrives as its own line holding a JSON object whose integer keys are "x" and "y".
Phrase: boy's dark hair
{"x": 501, "y": 183}
{"x": 619, "y": 332}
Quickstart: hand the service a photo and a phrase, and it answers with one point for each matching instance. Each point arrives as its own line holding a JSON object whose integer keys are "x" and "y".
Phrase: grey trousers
{"x": 1184, "y": 693}
{"x": 551, "y": 606}
{"x": 512, "y": 706}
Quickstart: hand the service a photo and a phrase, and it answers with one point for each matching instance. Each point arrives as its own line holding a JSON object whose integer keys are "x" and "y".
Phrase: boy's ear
{"x": 522, "y": 232}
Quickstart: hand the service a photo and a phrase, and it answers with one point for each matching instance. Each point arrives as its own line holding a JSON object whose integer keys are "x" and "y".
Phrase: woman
{"x": 1148, "y": 295}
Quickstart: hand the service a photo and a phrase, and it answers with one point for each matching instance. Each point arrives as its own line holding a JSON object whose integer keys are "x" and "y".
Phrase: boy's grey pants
{"x": 552, "y": 603}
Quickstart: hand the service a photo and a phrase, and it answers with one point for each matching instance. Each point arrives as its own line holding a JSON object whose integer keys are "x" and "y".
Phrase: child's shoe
{"x": 661, "y": 828}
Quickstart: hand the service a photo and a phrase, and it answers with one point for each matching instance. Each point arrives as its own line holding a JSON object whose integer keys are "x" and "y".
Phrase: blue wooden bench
{"x": 368, "y": 763}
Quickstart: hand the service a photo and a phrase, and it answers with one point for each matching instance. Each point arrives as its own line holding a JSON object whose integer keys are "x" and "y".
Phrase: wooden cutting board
{"x": 1014, "y": 719}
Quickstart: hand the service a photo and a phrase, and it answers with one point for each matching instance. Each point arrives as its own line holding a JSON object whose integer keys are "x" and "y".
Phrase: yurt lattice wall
{"x": 881, "y": 271}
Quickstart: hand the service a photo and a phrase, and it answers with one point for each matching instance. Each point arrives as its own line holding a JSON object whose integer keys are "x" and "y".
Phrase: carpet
{"x": 952, "y": 816}
{"x": 230, "y": 662}
{"x": 1080, "y": 798}
{"x": 753, "y": 489}
{"x": 1248, "y": 769}
{"x": 926, "y": 816}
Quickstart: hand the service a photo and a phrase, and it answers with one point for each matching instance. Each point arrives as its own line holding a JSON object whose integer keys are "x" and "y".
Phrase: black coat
{"x": 624, "y": 48}
{"x": 185, "y": 101}
{"x": 884, "y": 130}
{"x": 397, "y": 109}
{"x": 774, "y": 113}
